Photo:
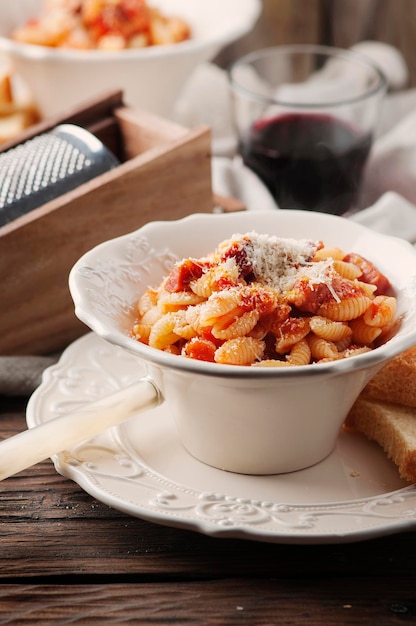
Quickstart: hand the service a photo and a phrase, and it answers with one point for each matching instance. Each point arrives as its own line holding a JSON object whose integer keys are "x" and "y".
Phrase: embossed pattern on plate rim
{"x": 104, "y": 468}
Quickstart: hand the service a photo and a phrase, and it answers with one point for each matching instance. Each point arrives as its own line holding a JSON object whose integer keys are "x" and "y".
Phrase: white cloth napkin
{"x": 392, "y": 162}
{"x": 390, "y": 214}
{"x": 230, "y": 177}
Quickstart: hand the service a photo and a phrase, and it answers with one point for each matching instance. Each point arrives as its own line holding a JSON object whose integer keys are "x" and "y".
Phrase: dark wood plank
{"x": 233, "y": 601}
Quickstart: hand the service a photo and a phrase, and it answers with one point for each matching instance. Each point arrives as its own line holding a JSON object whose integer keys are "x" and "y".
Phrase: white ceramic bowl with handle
{"x": 151, "y": 78}
{"x": 243, "y": 419}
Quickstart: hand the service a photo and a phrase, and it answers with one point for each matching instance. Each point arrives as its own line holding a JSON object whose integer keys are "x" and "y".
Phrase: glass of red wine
{"x": 305, "y": 117}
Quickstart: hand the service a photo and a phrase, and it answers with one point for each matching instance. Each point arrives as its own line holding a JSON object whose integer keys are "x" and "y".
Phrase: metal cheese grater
{"x": 48, "y": 166}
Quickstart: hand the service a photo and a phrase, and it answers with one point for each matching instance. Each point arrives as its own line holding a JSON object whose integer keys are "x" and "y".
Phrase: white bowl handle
{"x": 37, "y": 444}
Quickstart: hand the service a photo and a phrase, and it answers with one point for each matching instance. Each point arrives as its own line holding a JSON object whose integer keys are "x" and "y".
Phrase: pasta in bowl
{"x": 279, "y": 410}
{"x": 268, "y": 301}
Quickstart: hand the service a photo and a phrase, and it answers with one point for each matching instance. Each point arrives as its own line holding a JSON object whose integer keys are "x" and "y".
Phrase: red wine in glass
{"x": 312, "y": 162}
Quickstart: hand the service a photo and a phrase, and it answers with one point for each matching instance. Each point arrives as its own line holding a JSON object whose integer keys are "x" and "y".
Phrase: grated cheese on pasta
{"x": 277, "y": 262}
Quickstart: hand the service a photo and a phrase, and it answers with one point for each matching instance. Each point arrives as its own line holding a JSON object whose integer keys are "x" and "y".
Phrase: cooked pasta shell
{"x": 300, "y": 353}
{"x": 347, "y": 270}
{"x": 243, "y": 325}
{"x": 182, "y": 326}
{"x": 328, "y": 329}
{"x": 381, "y": 311}
{"x": 162, "y": 334}
{"x": 345, "y": 310}
{"x": 321, "y": 348}
{"x": 328, "y": 252}
{"x": 141, "y": 332}
{"x": 152, "y": 315}
{"x": 218, "y": 305}
{"x": 291, "y": 331}
{"x": 147, "y": 301}
{"x": 177, "y": 300}
{"x": 363, "y": 333}
{"x": 240, "y": 351}
{"x": 271, "y": 363}
{"x": 366, "y": 288}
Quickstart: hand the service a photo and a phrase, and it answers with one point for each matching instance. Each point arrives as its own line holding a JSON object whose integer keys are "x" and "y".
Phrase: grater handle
{"x": 37, "y": 444}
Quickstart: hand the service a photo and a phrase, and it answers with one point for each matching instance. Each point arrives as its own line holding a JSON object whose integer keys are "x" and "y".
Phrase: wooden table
{"x": 67, "y": 558}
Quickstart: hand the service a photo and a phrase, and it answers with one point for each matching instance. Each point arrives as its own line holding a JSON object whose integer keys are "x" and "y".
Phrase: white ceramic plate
{"x": 141, "y": 469}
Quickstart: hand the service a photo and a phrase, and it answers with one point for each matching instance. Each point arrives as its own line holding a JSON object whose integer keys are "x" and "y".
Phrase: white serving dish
{"x": 238, "y": 418}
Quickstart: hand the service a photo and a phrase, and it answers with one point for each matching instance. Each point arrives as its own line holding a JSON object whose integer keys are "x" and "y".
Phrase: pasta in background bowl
{"x": 150, "y": 77}
{"x": 253, "y": 420}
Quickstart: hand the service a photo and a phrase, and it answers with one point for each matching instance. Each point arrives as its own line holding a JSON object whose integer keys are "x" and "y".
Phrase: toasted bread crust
{"x": 396, "y": 381}
{"x": 393, "y": 427}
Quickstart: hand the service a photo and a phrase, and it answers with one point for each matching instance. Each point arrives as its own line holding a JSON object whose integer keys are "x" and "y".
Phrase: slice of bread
{"x": 6, "y": 91}
{"x": 386, "y": 412}
{"x": 396, "y": 381}
{"x": 392, "y": 426}
{"x": 17, "y": 110}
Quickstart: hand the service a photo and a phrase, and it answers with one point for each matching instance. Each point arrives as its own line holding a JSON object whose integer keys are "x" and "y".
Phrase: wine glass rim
{"x": 379, "y": 87}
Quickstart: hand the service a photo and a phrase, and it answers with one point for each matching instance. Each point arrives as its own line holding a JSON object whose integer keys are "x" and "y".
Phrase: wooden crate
{"x": 165, "y": 174}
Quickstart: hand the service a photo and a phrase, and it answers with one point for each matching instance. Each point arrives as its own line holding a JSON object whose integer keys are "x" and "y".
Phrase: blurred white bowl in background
{"x": 151, "y": 78}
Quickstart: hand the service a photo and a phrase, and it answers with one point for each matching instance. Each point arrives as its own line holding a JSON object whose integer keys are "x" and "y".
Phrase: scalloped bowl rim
{"x": 397, "y": 344}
